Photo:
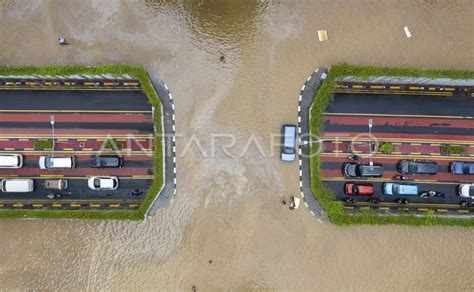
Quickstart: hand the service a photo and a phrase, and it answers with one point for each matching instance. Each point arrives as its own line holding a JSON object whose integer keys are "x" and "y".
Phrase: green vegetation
{"x": 453, "y": 149}
{"x": 43, "y": 144}
{"x": 325, "y": 196}
{"x": 141, "y": 74}
{"x": 111, "y": 144}
{"x": 386, "y": 148}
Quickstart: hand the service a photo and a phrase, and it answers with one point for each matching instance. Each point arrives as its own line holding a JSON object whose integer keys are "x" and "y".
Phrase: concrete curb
{"x": 305, "y": 101}
{"x": 168, "y": 191}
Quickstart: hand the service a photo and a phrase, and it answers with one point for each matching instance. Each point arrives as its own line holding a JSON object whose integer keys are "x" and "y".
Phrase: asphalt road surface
{"x": 73, "y": 100}
{"x": 95, "y": 113}
{"x": 403, "y": 104}
{"x": 389, "y": 113}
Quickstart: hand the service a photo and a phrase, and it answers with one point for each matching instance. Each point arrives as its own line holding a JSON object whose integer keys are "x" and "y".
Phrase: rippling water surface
{"x": 226, "y": 228}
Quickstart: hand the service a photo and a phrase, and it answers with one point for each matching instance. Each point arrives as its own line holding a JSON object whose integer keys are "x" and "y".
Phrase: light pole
{"x": 371, "y": 163}
{"x": 52, "y": 128}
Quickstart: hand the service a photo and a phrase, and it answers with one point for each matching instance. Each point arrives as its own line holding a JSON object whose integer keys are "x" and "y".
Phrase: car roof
{"x": 367, "y": 169}
{"x": 289, "y": 132}
{"x": 61, "y": 161}
{"x": 9, "y": 160}
{"x": 106, "y": 183}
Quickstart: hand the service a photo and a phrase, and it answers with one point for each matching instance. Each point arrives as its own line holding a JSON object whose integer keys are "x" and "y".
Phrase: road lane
{"x": 73, "y": 100}
{"x": 78, "y": 189}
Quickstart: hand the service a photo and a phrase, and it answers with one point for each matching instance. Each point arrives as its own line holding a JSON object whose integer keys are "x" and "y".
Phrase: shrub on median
{"x": 453, "y": 149}
{"x": 386, "y": 148}
{"x": 43, "y": 144}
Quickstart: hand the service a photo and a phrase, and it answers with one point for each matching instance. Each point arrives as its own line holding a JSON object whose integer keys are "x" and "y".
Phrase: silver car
{"x": 466, "y": 191}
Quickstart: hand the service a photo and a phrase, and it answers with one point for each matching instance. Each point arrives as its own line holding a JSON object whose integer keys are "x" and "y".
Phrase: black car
{"x": 354, "y": 169}
{"x": 460, "y": 167}
{"x": 417, "y": 167}
{"x": 105, "y": 161}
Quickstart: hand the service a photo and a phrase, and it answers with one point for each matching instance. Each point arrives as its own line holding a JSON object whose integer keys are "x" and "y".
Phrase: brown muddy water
{"x": 227, "y": 209}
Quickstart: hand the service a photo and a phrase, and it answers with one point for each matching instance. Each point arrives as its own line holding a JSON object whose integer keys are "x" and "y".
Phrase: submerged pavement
{"x": 305, "y": 101}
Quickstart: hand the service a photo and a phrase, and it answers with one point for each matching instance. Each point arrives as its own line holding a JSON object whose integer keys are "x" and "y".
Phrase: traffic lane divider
{"x": 78, "y": 117}
{"x": 401, "y": 149}
{"x": 89, "y": 88}
{"x": 400, "y": 121}
{"x": 72, "y": 206}
{"x": 400, "y": 156}
{"x": 368, "y": 115}
{"x": 62, "y": 144}
{"x": 399, "y": 137}
{"x": 137, "y": 177}
{"x": 32, "y": 158}
{"x": 392, "y": 92}
{"x": 445, "y": 177}
{"x": 69, "y": 133}
{"x": 393, "y": 160}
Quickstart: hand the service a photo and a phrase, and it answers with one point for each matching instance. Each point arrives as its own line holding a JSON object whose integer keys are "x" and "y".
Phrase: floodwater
{"x": 226, "y": 228}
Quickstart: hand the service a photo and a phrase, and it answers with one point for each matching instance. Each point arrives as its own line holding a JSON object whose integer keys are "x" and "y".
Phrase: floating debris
{"x": 323, "y": 35}
{"x": 407, "y": 32}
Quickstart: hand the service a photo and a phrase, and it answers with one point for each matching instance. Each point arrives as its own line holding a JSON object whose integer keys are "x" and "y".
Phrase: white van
{"x": 11, "y": 160}
{"x": 288, "y": 143}
{"x": 17, "y": 185}
{"x": 56, "y": 162}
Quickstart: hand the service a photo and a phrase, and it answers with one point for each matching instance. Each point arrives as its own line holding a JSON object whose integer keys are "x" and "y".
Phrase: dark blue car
{"x": 460, "y": 167}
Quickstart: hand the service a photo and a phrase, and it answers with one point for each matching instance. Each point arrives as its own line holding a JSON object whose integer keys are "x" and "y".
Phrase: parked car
{"x": 99, "y": 183}
{"x": 106, "y": 161}
{"x": 17, "y": 185}
{"x": 11, "y": 160}
{"x": 354, "y": 169}
{"x": 57, "y": 162}
{"x": 417, "y": 167}
{"x": 461, "y": 167}
{"x": 402, "y": 189}
{"x": 288, "y": 143}
{"x": 466, "y": 190}
{"x": 359, "y": 189}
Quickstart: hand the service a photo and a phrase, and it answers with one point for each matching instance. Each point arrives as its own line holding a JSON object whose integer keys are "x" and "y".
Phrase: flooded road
{"x": 226, "y": 228}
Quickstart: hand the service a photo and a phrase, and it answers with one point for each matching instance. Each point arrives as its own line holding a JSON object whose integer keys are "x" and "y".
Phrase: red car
{"x": 359, "y": 189}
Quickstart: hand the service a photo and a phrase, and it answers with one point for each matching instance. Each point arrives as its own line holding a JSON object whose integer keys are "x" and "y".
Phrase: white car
{"x": 11, "y": 160}
{"x": 99, "y": 183}
{"x": 57, "y": 162}
{"x": 17, "y": 185}
{"x": 466, "y": 191}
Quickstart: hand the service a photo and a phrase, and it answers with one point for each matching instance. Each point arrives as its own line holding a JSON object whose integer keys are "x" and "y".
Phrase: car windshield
{"x": 288, "y": 150}
{"x": 97, "y": 183}
{"x": 413, "y": 167}
{"x": 468, "y": 168}
{"x": 471, "y": 191}
{"x": 395, "y": 189}
{"x": 48, "y": 162}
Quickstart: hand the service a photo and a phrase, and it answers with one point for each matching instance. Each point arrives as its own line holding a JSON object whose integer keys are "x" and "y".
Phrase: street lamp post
{"x": 52, "y": 128}
{"x": 371, "y": 163}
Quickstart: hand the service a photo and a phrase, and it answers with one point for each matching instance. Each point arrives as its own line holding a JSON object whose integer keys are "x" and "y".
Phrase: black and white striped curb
{"x": 173, "y": 133}
{"x": 305, "y": 101}
{"x": 168, "y": 124}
